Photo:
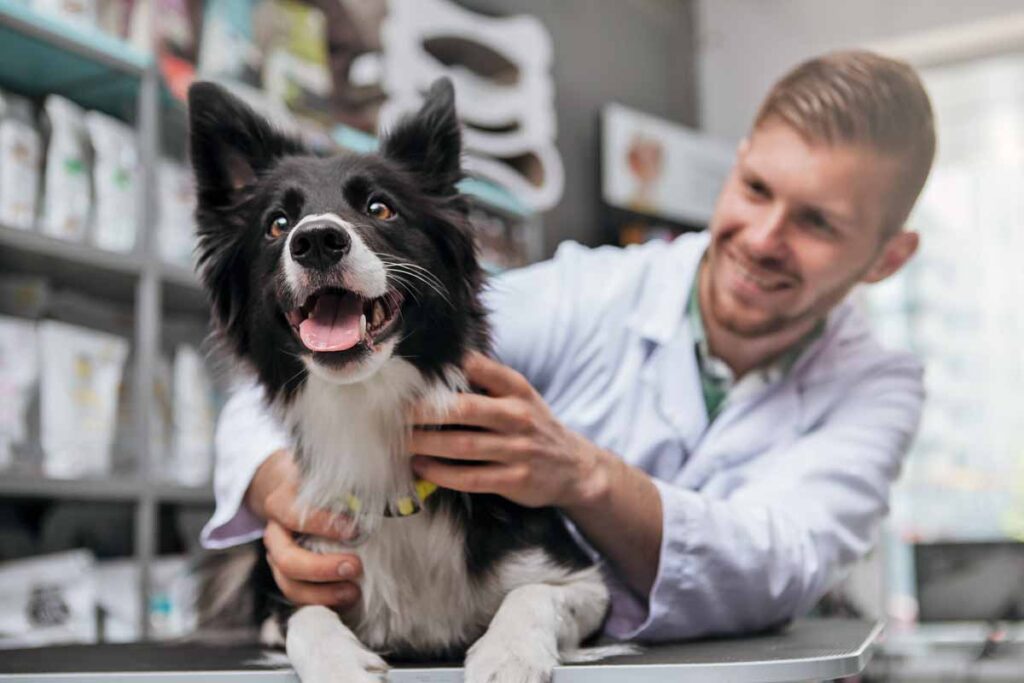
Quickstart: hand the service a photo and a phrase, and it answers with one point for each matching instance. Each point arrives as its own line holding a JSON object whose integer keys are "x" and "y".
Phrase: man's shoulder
{"x": 623, "y": 265}
{"x": 848, "y": 351}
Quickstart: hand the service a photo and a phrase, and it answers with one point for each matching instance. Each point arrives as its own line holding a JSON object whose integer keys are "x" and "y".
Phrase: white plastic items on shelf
{"x": 48, "y": 599}
{"x": 191, "y": 458}
{"x": 177, "y": 202}
{"x": 89, "y": 178}
{"x": 79, "y": 12}
{"x": 56, "y": 599}
{"x": 78, "y": 398}
{"x": 66, "y": 195}
{"x": 20, "y": 161}
{"x": 114, "y": 173}
{"x": 19, "y": 371}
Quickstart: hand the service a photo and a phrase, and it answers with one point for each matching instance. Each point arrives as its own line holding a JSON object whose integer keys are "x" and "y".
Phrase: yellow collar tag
{"x": 402, "y": 506}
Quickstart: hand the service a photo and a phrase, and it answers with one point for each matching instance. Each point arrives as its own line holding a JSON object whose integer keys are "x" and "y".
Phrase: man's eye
{"x": 380, "y": 210}
{"x": 758, "y": 188}
{"x": 818, "y": 223}
{"x": 279, "y": 225}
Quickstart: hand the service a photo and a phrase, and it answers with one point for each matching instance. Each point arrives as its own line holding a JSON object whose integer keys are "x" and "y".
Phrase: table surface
{"x": 810, "y": 649}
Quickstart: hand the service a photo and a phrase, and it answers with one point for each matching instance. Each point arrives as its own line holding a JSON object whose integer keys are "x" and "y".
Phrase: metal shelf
{"x": 40, "y": 54}
{"x": 76, "y": 266}
{"x": 22, "y": 486}
{"x": 126, "y": 489}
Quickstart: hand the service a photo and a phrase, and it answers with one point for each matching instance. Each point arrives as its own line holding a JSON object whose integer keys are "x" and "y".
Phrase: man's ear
{"x": 230, "y": 143}
{"x": 429, "y": 143}
{"x": 896, "y": 252}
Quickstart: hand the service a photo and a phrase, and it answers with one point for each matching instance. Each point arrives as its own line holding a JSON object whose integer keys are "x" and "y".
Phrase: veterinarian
{"x": 712, "y": 415}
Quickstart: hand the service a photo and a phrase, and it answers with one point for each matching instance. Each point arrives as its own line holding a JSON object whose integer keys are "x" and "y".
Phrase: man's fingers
{"x": 342, "y": 594}
{"x": 493, "y": 377}
{"x": 300, "y": 564}
{"x": 464, "y": 445}
{"x": 471, "y": 479}
{"x": 283, "y": 509}
{"x": 507, "y": 414}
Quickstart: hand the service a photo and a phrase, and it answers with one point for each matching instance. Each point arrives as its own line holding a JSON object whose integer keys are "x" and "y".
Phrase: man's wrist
{"x": 264, "y": 480}
{"x": 593, "y": 487}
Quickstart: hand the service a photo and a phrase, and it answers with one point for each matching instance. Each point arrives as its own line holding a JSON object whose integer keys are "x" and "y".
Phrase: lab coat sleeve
{"x": 770, "y": 550}
{"x": 246, "y": 435}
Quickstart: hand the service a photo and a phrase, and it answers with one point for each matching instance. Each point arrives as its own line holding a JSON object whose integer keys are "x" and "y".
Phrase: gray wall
{"x": 745, "y": 45}
{"x": 637, "y": 52}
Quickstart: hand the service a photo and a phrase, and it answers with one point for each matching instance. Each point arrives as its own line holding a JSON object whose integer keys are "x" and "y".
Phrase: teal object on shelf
{"x": 41, "y": 54}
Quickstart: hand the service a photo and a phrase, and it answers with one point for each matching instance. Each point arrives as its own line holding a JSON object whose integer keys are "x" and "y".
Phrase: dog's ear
{"x": 429, "y": 142}
{"x": 230, "y": 144}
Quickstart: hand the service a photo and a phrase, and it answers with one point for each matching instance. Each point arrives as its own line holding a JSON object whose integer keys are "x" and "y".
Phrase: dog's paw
{"x": 515, "y": 660}
{"x": 353, "y": 666}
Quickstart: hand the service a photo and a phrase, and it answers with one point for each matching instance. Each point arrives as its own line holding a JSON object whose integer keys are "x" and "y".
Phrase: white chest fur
{"x": 415, "y": 587}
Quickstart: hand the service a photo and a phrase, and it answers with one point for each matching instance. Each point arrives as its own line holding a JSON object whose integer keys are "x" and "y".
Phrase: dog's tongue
{"x": 333, "y": 325}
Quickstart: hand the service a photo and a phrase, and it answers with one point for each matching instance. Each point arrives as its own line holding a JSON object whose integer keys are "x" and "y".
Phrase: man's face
{"x": 796, "y": 227}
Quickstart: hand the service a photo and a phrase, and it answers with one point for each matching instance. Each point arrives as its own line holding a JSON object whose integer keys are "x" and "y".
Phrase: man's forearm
{"x": 621, "y": 516}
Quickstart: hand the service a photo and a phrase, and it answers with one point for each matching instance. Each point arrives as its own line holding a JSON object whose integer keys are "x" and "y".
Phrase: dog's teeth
{"x": 362, "y": 325}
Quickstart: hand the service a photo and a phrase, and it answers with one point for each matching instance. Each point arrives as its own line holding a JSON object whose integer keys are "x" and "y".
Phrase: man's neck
{"x": 743, "y": 354}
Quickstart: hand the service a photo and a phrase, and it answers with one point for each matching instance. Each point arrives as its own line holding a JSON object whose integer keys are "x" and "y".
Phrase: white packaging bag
{"x": 66, "y": 198}
{"x": 78, "y": 392}
{"x": 20, "y": 162}
{"x": 115, "y": 176}
{"x": 19, "y": 372}
{"x": 48, "y": 599}
{"x": 171, "y": 610}
{"x": 191, "y": 463}
{"x": 176, "y": 228}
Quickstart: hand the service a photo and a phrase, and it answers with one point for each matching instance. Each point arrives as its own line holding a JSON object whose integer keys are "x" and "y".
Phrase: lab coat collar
{"x": 661, "y": 307}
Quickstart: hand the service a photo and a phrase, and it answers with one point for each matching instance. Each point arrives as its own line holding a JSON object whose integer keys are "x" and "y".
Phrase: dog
{"x": 349, "y": 285}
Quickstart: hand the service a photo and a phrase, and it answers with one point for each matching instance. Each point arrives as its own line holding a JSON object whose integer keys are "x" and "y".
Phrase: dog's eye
{"x": 380, "y": 210}
{"x": 279, "y": 225}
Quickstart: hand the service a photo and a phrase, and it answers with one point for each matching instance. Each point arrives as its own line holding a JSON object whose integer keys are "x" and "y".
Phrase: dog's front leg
{"x": 534, "y": 623}
{"x": 324, "y": 650}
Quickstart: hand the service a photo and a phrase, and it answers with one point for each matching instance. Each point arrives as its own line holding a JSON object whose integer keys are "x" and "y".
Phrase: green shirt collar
{"x": 717, "y": 379}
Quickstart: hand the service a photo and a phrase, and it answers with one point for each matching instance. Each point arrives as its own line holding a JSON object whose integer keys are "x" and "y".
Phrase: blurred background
{"x": 600, "y": 121}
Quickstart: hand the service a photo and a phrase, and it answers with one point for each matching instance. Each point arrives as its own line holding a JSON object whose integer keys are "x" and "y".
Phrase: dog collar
{"x": 399, "y": 506}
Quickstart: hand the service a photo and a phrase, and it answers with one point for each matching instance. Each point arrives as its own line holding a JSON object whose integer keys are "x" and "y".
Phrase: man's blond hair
{"x": 858, "y": 97}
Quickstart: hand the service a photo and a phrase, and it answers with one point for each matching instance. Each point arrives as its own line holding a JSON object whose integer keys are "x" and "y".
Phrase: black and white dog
{"x": 350, "y": 286}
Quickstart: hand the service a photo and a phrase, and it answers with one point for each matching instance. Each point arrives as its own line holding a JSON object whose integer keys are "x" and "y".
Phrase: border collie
{"x": 350, "y": 286}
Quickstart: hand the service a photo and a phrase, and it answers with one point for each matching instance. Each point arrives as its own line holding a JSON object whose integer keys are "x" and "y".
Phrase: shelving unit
{"x": 41, "y": 55}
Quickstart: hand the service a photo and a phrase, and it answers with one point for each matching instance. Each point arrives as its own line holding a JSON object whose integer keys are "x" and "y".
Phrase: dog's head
{"x": 333, "y": 265}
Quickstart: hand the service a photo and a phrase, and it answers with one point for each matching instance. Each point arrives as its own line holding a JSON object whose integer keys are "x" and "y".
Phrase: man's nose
{"x": 319, "y": 246}
{"x": 766, "y": 236}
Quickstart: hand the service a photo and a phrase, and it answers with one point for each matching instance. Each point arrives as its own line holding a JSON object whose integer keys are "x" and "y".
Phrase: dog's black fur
{"x": 247, "y": 172}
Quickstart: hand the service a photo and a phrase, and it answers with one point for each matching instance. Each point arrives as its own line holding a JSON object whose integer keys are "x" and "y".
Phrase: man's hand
{"x": 525, "y": 454}
{"x": 305, "y": 578}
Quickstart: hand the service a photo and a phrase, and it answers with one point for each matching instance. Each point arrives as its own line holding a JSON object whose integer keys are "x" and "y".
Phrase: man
{"x": 711, "y": 415}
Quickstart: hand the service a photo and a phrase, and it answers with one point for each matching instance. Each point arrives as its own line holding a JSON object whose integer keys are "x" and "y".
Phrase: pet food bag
{"x": 48, "y": 600}
{"x": 21, "y": 155}
{"x": 115, "y": 177}
{"x": 171, "y": 610}
{"x": 191, "y": 463}
{"x": 78, "y": 391}
{"x": 19, "y": 372}
{"x": 176, "y": 228}
{"x": 66, "y": 197}
{"x": 79, "y": 12}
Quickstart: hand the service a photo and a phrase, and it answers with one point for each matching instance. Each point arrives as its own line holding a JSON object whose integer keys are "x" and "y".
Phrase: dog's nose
{"x": 319, "y": 246}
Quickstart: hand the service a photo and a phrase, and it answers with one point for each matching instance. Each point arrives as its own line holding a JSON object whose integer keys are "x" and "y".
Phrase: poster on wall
{"x": 656, "y": 167}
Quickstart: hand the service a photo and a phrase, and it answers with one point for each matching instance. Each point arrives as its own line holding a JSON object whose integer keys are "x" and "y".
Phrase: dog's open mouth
{"x": 334, "y": 320}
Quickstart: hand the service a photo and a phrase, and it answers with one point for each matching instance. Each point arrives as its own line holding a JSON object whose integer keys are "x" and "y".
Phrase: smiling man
{"x": 712, "y": 415}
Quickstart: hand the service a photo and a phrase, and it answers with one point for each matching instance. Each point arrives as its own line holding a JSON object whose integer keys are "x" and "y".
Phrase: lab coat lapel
{"x": 751, "y": 426}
